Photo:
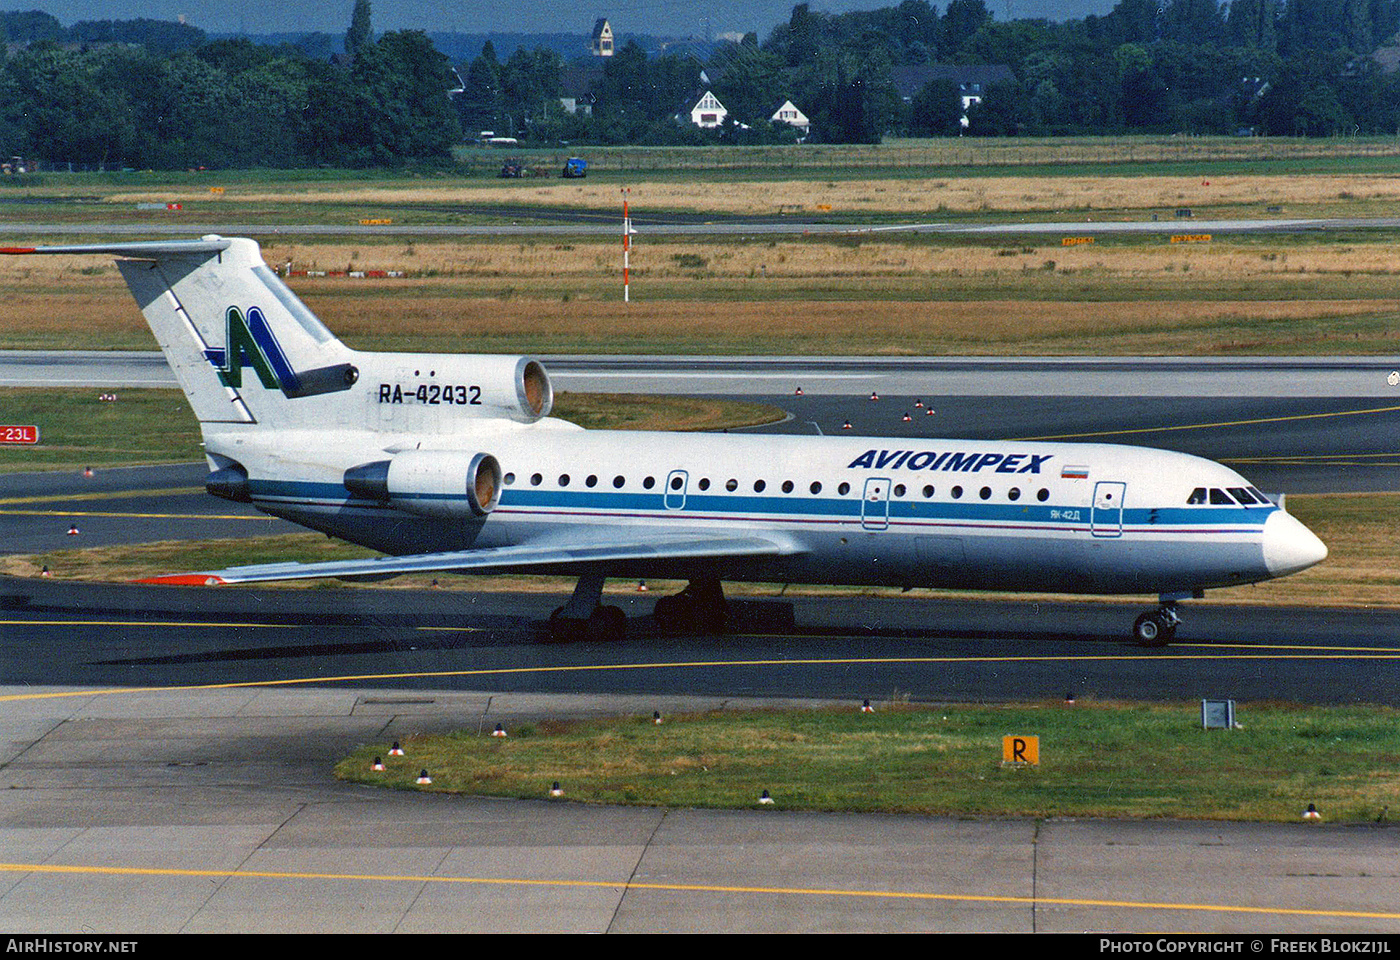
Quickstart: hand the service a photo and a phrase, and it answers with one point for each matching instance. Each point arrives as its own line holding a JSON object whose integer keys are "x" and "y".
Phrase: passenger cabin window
{"x": 731, "y": 485}
{"x": 563, "y": 479}
{"x": 787, "y": 486}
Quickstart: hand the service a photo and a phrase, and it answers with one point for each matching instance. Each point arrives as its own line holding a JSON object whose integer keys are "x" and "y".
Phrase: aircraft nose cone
{"x": 1289, "y": 546}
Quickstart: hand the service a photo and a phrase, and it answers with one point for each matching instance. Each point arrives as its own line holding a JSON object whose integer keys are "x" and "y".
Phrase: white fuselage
{"x": 1081, "y": 518}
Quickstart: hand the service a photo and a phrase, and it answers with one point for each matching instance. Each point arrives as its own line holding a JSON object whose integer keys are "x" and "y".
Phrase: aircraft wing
{"x": 520, "y": 558}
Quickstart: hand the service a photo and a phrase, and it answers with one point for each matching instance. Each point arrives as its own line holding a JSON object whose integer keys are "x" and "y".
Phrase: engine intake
{"x": 431, "y": 483}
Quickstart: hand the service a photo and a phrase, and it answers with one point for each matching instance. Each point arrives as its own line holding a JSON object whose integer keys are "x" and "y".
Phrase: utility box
{"x": 1218, "y": 714}
{"x": 575, "y": 167}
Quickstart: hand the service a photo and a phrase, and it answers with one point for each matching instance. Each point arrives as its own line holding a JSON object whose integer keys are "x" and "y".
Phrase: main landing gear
{"x": 1157, "y": 628}
{"x": 699, "y": 608}
{"x": 584, "y": 617}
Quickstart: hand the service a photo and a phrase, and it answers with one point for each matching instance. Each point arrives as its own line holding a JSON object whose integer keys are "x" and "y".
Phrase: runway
{"x": 779, "y": 377}
{"x": 550, "y": 223}
{"x": 166, "y": 750}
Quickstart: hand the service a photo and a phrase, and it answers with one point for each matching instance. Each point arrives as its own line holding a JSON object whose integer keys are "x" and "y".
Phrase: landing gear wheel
{"x": 1154, "y": 629}
{"x": 565, "y": 629}
{"x": 700, "y": 607}
{"x": 606, "y": 624}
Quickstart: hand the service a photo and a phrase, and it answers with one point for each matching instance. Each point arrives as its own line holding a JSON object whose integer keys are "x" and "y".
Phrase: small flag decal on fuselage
{"x": 1074, "y": 473}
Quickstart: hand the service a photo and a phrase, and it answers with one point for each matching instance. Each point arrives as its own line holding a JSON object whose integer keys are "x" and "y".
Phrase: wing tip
{"x": 185, "y": 580}
{"x": 17, "y": 250}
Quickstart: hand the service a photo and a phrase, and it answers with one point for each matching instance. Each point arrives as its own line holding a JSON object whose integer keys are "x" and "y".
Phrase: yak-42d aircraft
{"x": 452, "y": 463}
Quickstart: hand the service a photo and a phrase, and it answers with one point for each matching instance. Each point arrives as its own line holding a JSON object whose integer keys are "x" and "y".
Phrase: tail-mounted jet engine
{"x": 432, "y": 483}
{"x": 475, "y": 385}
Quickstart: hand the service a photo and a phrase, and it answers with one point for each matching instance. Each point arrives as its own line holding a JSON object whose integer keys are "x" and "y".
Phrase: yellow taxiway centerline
{"x": 1380, "y": 654}
{"x": 625, "y": 885}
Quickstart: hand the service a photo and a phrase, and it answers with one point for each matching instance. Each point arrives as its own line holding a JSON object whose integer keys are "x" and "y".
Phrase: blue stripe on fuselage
{"x": 794, "y": 508}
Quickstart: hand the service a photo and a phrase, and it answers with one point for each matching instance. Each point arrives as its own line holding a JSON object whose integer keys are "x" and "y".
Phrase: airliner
{"x": 452, "y": 463}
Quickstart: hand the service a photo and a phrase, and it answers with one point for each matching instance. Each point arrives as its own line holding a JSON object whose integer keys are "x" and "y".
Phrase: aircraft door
{"x": 1107, "y": 517}
{"x": 676, "y": 483}
{"x": 875, "y": 505}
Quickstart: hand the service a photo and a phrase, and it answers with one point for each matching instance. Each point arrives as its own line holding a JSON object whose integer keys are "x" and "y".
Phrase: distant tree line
{"x": 1272, "y": 67}
{"x": 147, "y": 93}
{"x": 86, "y": 96}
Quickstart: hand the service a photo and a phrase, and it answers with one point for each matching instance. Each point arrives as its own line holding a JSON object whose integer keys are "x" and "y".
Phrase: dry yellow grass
{"x": 448, "y": 323}
{"x": 858, "y": 255}
{"x": 851, "y": 295}
{"x": 913, "y": 197}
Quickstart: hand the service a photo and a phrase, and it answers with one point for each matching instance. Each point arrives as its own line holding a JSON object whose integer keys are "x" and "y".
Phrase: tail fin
{"x": 243, "y": 347}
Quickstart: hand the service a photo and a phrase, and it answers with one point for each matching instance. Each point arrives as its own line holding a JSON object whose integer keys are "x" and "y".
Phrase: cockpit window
{"x": 1259, "y": 496}
{"x": 1197, "y": 496}
{"x": 1220, "y": 497}
{"x": 1242, "y": 495}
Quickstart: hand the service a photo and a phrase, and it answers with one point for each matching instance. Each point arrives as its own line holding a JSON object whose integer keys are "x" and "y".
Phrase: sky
{"x": 655, "y": 17}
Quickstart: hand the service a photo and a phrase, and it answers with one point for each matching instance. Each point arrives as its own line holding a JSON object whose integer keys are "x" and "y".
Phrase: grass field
{"x": 876, "y": 293}
{"x": 912, "y": 296}
{"x": 1096, "y": 760}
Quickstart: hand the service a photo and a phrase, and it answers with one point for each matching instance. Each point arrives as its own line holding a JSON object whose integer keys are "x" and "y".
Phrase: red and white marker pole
{"x": 626, "y": 248}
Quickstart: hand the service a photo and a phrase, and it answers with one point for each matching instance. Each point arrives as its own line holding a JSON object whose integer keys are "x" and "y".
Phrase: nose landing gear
{"x": 1156, "y": 629}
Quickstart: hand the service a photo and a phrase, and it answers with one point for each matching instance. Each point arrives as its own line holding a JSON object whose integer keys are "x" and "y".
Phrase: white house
{"x": 708, "y": 111}
{"x": 789, "y": 114}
